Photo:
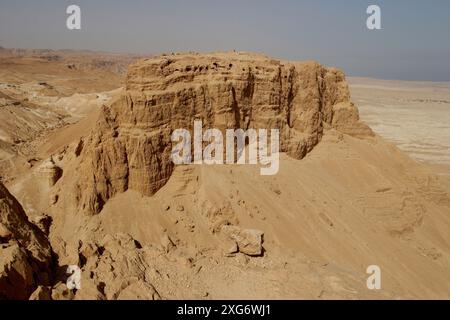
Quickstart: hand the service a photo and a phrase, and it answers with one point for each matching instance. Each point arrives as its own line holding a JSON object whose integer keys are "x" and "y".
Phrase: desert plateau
{"x": 86, "y": 180}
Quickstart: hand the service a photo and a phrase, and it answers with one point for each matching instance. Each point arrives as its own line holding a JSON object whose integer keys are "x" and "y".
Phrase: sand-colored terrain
{"x": 42, "y": 90}
{"x": 413, "y": 115}
{"x": 105, "y": 198}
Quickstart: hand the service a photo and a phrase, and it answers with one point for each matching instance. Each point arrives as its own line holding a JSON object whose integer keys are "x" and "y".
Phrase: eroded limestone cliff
{"x": 25, "y": 252}
{"x": 131, "y": 145}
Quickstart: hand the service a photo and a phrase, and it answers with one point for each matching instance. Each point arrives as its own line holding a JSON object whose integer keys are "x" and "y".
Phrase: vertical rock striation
{"x": 131, "y": 146}
{"x": 25, "y": 252}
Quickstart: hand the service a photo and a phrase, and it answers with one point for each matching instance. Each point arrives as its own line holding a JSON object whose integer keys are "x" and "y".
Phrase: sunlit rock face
{"x": 131, "y": 145}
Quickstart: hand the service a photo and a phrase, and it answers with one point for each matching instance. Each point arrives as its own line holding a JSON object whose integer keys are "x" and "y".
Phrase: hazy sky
{"x": 414, "y": 43}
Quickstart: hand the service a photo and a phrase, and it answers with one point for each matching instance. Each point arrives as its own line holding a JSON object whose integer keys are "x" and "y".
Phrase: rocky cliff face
{"x": 131, "y": 146}
{"x": 25, "y": 252}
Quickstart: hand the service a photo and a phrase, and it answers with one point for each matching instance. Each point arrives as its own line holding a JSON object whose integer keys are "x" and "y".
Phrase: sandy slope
{"x": 413, "y": 115}
{"x": 336, "y": 212}
{"x": 43, "y": 90}
{"x": 349, "y": 204}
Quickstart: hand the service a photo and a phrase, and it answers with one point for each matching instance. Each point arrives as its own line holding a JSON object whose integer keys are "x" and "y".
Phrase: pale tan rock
{"x": 130, "y": 147}
{"x": 167, "y": 243}
{"x": 54, "y": 199}
{"x": 90, "y": 290}
{"x": 89, "y": 250}
{"x": 26, "y": 259}
{"x": 50, "y": 171}
{"x": 115, "y": 268}
{"x": 139, "y": 290}
{"x": 378, "y": 201}
{"x": 61, "y": 292}
{"x": 249, "y": 241}
{"x": 346, "y": 120}
{"x": 230, "y": 247}
{"x": 120, "y": 240}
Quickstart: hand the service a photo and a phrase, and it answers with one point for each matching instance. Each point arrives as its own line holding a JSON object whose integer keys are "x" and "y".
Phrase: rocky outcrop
{"x": 247, "y": 241}
{"x": 49, "y": 171}
{"x": 41, "y": 293}
{"x": 25, "y": 254}
{"x": 130, "y": 148}
{"x": 115, "y": 267}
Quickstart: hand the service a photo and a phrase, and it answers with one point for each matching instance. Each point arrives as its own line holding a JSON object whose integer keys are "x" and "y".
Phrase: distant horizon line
{"x": 148, "y": 54}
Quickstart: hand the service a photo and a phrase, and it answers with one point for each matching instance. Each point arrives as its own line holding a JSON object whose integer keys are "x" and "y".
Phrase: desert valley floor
{"x": 84, "y": 180}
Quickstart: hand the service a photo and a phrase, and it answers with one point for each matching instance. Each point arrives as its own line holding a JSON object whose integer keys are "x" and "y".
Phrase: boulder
{"x": 61, "y": 292}
{"x": 248, "y": 241}
{"x": 50, "y": 172}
